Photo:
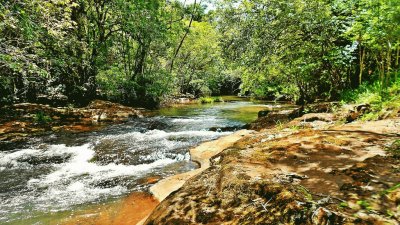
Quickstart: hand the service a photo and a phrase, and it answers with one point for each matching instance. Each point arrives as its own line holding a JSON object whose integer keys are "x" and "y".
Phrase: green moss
{"x": 305, "y": 193}
{"x": 279, "y": 125}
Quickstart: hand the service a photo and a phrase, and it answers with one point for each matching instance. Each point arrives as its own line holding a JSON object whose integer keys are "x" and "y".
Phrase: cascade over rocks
{"x": 19, "y": 121}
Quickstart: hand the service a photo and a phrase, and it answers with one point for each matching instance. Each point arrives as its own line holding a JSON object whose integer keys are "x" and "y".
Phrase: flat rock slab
{"x": 338, "y": 175}
{"x": 202, "y": 155}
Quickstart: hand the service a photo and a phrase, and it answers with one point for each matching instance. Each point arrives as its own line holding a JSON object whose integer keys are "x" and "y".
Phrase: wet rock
{"x": 157, "y": 125}
{"x": 263, "y": 113}
{"x": 149, "y": 180}
{"x": 224, "y": 129}
{"x": 39, "y": 160}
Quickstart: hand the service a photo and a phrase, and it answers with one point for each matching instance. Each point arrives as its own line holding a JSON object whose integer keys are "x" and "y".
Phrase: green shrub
{"x": 208, "y": 99}
{"x": 218, "y": 99}
{"x": 205, "y": 100}
{"x": 41, "y": 118}
{"x": 384, "y": 101}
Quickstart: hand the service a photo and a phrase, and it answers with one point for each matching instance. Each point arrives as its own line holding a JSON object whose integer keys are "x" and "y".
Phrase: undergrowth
{"x": 384, "y": 101}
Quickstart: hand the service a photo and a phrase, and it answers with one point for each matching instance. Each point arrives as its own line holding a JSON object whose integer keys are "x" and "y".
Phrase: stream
{"x": 61, "y": 172}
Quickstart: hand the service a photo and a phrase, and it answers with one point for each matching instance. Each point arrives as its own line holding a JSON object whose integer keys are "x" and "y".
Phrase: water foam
{"x": 72, "y": 182}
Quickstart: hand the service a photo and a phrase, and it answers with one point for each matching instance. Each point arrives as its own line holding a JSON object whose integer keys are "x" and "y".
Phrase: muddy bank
{"x": 319, "y": 174}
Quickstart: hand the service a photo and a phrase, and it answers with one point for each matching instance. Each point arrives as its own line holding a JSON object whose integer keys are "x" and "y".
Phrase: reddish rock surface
{"x": 19, "y": 121}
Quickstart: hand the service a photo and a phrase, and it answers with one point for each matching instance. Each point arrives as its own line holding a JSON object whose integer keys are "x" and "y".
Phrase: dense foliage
{"x": 139, "y": 52}
{"x": 311, "y": 49}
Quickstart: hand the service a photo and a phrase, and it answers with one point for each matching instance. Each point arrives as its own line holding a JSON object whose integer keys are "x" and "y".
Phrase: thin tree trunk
{"x": 184, "y": 36}
{"x": 389, "y": 64}
{"x": 397, "y": 62}
{"x": 362, "y": 57}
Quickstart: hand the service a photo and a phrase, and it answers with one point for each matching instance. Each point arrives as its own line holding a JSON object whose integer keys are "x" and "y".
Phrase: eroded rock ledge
{"x": 19, "y": 121}
{"x": 340, "y": 175}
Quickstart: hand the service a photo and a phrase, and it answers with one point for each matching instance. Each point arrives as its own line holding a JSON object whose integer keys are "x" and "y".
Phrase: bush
{"x": 205, "y": 100}
{"x": 41, "y": 118}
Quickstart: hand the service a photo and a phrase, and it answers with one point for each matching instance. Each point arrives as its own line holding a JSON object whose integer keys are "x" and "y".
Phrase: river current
{"x": 61, "y": 172}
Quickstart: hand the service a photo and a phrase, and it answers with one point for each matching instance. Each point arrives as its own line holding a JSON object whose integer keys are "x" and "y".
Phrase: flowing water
{"x": 62, "y": 172}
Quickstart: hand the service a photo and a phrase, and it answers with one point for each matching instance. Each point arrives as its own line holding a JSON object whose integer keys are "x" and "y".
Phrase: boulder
{"x": 321, "y": 107}
{"x": 357, "y": 112}
{"x": 274, "y": 118}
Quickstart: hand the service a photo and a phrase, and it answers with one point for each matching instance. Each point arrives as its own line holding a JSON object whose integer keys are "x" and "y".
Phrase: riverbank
{"x": 20, "y": 122}
{"x": 314, "y": 170}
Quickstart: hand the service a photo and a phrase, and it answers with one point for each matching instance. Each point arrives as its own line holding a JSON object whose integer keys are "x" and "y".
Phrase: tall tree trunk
{"x": 140, "y": 58}
{"x": 184, "y": 36}
{"x": 397, "y": 61}
{"x": 362, "y": 57}
{"x": 388, "y": 64}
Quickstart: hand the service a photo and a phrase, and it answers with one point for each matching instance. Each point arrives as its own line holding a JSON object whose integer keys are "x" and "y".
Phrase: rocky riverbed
{"x": 19, "y": 122}
{"x": 312, "y": 170}
{"x": 297, "y": 168}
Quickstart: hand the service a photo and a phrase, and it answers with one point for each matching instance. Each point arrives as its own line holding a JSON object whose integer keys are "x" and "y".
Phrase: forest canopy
{"x": 141, "y": 52}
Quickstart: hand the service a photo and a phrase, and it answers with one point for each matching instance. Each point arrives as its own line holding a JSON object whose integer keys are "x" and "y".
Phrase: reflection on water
{"x": 60, "y": 173}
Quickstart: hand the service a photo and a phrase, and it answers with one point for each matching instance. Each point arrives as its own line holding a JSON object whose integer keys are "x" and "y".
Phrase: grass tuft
{"x": 208, "y": 99}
